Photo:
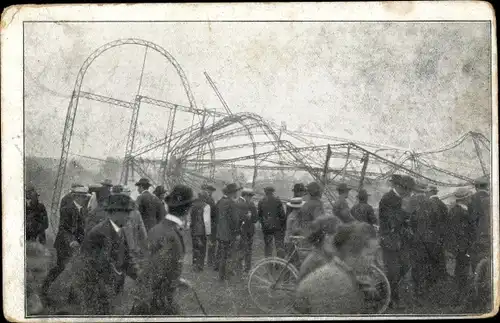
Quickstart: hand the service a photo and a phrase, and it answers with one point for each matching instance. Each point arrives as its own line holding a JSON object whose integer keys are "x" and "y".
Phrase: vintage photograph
{"x": 259, "y": 168}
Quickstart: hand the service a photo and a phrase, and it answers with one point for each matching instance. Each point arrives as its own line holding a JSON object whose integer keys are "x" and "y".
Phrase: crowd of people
{"x": 105, "y": 235}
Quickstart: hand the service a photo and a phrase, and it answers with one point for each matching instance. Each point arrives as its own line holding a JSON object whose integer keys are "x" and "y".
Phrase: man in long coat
{"x": 37, "y": 220}
{"x": 228, "y": 230}
{"x": 70, "y": 234}
{"x": 248, "y": 218}
{"x": 97, "y": 274}
{"x": 479, "y": 212}
{"x": 341, "y": 207}
{"x": 199, "y": 224}
{"x": 150, "y": 207}
{"x": 313, "y": 208}
{"x": 271, "y": 215}
{"x": 362, "y": 211}
{"x": 212, "y": 239}
{"x": 462, "y": 236}
{"x": 393, "y": 223}
{"x": 157, "y": 284}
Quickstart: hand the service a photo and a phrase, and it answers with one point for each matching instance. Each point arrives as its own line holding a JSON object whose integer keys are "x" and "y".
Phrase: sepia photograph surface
{"x": 249, "y": 161}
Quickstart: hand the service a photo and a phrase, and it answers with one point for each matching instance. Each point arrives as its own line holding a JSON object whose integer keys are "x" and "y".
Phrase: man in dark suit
{"x": 97, "y": 274}
{"x": 248, "y": 218}
{"x": 479, "y": 212}
{"x": 212, "y": 239}
{"x": 313, "y": 208}
{"x": 228, "y": 230}
{"x": 199, "y": 224}
{"x": 341, "y": 207}
{"x": 362, "y": 211}
{"x": 70, "y": 234}
{"x": 271, "y": 215}
{"x": 37, "y": 220}
{"x": 393, "y": 224}
{"x": 150, "y": 207}
{"x": 462, "y": 236}
{"x": 158, "y": 282}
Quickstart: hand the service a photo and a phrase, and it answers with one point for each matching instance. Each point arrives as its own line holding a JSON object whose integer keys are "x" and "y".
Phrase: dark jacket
{"x": 227, "y": 219}
{"x": 271, "y": 214}
{"x": 311, "y": 210}
{"x": 363, "y": 212}
{"x": 155, "y": 289}
{"x": 393, "y": 221}
{"x": 94, "y": 277}
{"x": 151, "y": 209}
{"x": 36, "y": 220}
{"x": 461, "y": 228}
{"x": 213, "y": 214}
{"x": 479, "y": 211}
{"x": 341, "y": 211}
{"x": 248, "y": 216}
{"x": 71, "y": 228}
{"x": 197, "y": 222}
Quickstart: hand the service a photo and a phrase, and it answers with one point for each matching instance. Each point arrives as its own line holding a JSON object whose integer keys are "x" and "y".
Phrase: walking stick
{"x": 190, "y": 286}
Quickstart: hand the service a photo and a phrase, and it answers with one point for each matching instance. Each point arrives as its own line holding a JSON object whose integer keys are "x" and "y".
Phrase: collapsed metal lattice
{"x": 191, "y": 155}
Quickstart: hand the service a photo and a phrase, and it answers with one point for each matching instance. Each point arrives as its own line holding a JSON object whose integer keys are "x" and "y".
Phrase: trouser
{"x": 199, "y": 251}
{"x": 481, "y": 250}
{"x": 278, "y": 237}
{"x": 223, "y": 251}
{"x": 462, "y": 269}
{"x": 63, "y": 258}
{"x": 246, "y": 250}
{"x": 397, "y": 265}
{"x": 211, "y": 250}
{"x": 427, "y": 266}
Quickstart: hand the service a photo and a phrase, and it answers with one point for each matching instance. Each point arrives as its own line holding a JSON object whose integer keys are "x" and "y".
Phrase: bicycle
{"x": 273, "y": 294}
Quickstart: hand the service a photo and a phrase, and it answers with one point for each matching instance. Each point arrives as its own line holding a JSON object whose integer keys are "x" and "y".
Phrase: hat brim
{"x": 296, "y": 206}
{"x": 143, "y": 184}
{"x": 232, "y": 191}
{"x": 182, "y": 203}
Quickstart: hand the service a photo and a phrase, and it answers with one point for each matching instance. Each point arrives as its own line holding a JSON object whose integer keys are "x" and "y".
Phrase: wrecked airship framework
{"x": 191, "y": 155}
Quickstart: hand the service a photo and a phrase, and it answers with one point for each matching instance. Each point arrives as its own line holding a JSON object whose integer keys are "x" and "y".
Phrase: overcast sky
{"x": 415, "y": 85}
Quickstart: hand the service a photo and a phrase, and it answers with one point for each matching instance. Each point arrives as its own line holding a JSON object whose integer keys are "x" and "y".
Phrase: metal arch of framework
{"x": 77, "y": 93}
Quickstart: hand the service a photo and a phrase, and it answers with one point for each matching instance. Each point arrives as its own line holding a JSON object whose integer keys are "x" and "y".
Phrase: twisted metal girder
{"x": 73, "y": 105}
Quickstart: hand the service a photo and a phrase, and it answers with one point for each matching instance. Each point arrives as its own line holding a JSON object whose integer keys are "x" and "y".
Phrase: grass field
{"x": 232, "y": 298}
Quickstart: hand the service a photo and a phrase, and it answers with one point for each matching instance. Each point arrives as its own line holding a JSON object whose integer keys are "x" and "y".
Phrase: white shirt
{"x": 463, "y": 206}
{"x": 206, "y": 219}
{"x": 175, "y": 219}
{"x": 115, "y": 226}
{"x": 92, "y": 205}
{"x": 78, "y": 206}
{"x": 396, "y": 192}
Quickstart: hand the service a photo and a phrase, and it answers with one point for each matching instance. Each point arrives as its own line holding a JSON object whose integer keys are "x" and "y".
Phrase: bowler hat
{"x": 80, "y": 190}
{"x": 231, "y": 188}
{"x": 179, "y": 196}
{"x": 107, "y": 182}
{"x": 404, "y": 180}
{"x": 143, "y": 182}
{"x": 363, "y": 194}
{"x": 269, "y": 189}
{"x": 299, "y": 187}
{"x": 313, "y": 188}
{"x": 118, "y": 202}
{"x": 462, "y": 193}
{"x": 483, "y": 180}
{"x": 208, "y": 187}
{"x": 159, "y": 190}
{"x": 296, "y": 202}
{"x": 247, "y": 192}
{"x": 342, "y": 187}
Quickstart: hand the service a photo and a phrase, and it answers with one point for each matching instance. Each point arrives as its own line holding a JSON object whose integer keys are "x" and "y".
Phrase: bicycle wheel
{"x": 271, "y": 285}
{"x": 380, "y": 296}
